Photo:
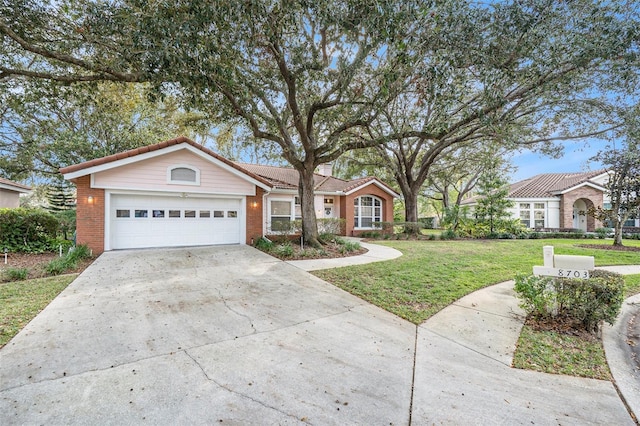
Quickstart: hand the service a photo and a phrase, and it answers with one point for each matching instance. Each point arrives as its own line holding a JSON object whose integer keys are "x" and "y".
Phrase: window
{"x": 232, "y": 213}
{"x": 367, "y": 210}
{"x": 141, "y": 213}
{"x": 183, "y": 175}
{"x": 205, "y": 213}
{"x": 123, "y": 213}
{"x": 280, "y": 215}
{"x": 532, "y": 215}
{"x": 218, "y": 213}
{"x": 174, "y": 213}
{"x": 189, "y": 213}
{"x": 158, "y": 213}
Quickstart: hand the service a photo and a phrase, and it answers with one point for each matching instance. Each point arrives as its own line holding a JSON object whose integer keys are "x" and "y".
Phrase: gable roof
{"x": 288, "y": 178}
{"x": 13, "y": 186}
{"x": 115, "y": 160}
{"x": 548, "y": 185}
{"x": 267, "y": 176}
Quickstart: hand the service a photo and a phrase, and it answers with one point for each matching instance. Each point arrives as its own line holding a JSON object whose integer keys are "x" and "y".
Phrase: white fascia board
{"x": 164, "y": 192}
{"x": 14, "y": 188}
{"x": 163, "y": 151}
{"x": 378, "y": 184}
{"x": 532, "y": 199}
{"x": 592, "y": 185}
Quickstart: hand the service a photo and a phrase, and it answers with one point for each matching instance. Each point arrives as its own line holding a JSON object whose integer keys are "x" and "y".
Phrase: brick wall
{"x": 347, "y": 212}
{"x": 89, "y": 215}
{"x": 592, "y": 198}
{"x": 254, "y": 215}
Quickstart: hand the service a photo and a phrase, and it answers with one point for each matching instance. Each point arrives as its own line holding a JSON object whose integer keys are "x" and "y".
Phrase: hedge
{"x": 27, "y": 230}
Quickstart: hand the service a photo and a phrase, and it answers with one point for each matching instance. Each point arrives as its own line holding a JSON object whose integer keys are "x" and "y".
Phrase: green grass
{"x": 433, "y": 274}
{"x": 21, "y": 301}
{"x": 557, "y": 353}
{"x": 631, "y": 285}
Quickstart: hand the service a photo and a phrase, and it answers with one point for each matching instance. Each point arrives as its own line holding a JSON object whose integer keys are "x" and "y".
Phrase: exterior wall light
{"x": 90, "y": 199}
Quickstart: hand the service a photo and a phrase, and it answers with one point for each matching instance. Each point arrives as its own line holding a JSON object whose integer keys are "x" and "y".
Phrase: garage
{"x": 140, "y": 221}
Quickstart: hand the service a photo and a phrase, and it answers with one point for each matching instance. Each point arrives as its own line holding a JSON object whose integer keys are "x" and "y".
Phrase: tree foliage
{"x": 493, "y": 204}
{"x": 623, "y": 187}
{"x": 318, "y": 79}
{"x": 46, "y": 126}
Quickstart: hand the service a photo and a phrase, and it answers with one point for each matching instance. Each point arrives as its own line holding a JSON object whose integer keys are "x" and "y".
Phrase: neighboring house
{"x": 10, "y": 193}
{"x": 179, "y": 193}
{"x": 559, "y": 200}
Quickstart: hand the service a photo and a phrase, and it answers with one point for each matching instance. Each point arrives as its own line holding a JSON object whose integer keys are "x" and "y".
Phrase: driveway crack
{"x": 240, "y": 314}
{"x": 240, "y": 394}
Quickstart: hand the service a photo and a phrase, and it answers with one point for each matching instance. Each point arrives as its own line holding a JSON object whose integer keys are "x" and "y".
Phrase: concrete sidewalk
{"x": 375, "y": 253}
{"x": 463, "y": 372}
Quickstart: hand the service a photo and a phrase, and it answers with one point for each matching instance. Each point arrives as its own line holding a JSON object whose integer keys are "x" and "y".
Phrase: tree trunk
{"x": 307, "y": 205}
{"x": 617, "y": 234}
{"x": 410, "y": 209}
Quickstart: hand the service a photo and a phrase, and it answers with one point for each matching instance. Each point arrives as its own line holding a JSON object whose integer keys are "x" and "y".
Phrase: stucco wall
{"x": 9, "y": 199}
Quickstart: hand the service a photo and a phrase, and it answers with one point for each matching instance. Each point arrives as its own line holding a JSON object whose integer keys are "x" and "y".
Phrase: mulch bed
{"x": 36, "y": 263}
{"x": 561, "y": 325}
{"x": 608, "y": 247}
{"x": 329, "y": 251}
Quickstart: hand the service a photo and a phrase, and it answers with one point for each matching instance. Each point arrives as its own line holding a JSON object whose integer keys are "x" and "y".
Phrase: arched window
{"x": 183, "y": 175}
{"x": 367, "y": 210}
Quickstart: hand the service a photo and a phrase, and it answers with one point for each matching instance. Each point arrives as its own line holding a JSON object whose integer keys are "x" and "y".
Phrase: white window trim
{"x": 373, "y": 217}
{"x": 183, "y": 182}
{"x": 532, "y": 214}
{"x": 292, "y": 211}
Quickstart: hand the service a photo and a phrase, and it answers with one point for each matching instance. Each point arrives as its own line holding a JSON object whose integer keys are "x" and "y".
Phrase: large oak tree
{"x": 314, "y": 77}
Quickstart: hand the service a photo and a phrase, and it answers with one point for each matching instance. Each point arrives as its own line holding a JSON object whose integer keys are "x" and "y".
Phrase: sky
{"x": 575, "y": 159}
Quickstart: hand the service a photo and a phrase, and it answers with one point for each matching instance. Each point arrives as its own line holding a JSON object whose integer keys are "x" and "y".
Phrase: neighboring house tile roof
{"x": 13, "y": 186}
{"x": 546, "y": 185}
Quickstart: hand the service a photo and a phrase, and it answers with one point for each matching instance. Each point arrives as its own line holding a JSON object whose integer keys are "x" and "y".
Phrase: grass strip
{"x": 433, "y": 274}
{"x": 21, "y": 301}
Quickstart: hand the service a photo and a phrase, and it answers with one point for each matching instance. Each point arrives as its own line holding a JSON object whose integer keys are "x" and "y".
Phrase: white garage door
{"x": 139, "y": 221}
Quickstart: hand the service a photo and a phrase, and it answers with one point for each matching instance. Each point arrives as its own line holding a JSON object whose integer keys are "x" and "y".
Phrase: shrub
{"x": 59, "y": 266}
{"x": 27, "y": 230}
{"x": 586, "y": 301}
{"x": 592, "y": 300}
{"x": 69, "y": 261}
{"x": 283, "y": 250}
{"x": 263, "y": 244}
{"x": 602, "y": 233}
{"x": 449, "y": 234}
{"x": 331, "y": 225}
{"x": 350, "y": 246}
{"x": 16, "y": 274}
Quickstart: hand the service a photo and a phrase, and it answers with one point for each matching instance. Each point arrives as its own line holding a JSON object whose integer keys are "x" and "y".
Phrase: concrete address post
{"x": 564, "y": 266}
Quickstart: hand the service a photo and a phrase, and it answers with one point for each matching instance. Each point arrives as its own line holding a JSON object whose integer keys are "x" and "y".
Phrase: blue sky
{"x": 575, "y": 159}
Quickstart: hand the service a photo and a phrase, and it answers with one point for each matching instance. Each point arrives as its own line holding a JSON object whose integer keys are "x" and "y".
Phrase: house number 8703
{"x": 568, "y": 273}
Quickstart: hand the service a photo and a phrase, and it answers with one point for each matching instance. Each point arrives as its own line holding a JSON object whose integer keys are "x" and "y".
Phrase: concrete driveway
{"x": 222, "y": 335}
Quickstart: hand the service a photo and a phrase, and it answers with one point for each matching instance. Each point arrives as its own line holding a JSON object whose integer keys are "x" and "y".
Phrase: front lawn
{"x": 21, "y": 301}
{"x": 433, "y": 274}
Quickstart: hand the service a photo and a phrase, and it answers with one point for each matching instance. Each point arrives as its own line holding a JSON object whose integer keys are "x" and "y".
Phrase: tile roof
{"x": 276, "y": 177}
{"x": 288, "y": 178}
{"x": 151, "y": 148}
{"x": 545, "y": 185}
{"x": 18, "y": 186}
{"x": 548, "y": 184}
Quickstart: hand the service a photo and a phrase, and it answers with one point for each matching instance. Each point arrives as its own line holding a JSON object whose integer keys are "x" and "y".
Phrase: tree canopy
{"x": 318, "y": 79}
